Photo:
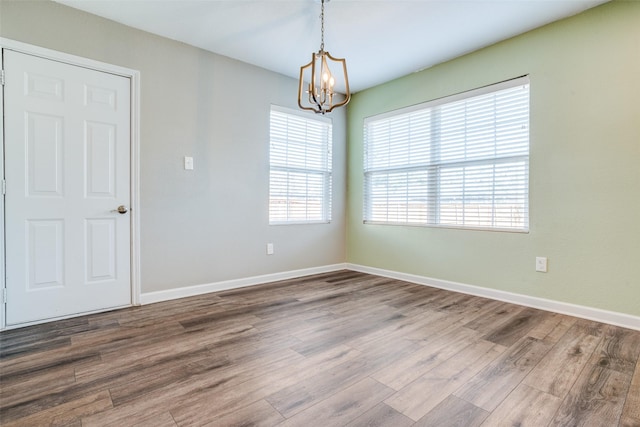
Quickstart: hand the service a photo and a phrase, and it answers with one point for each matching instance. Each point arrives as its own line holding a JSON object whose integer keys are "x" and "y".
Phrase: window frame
{"x": 325, "y": 171}
{"x": 433, "y": 187}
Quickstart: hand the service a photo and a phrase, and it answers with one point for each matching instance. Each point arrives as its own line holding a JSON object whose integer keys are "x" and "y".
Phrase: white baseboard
{"x": 596, "y": 314}
{"x": 604, "y": 316}
{"x": 189, "y": 291}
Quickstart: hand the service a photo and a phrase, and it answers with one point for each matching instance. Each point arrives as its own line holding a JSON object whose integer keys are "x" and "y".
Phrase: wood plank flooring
{"x": 336, "y": 349}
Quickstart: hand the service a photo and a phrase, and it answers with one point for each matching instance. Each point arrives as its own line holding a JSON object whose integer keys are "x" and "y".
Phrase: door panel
{"x": 45, "y": 254}
{"x": 44, "y": 155}
{"x": 67, "y": 155}
{"x": 101, "y": 251}
{"x": 101, "y": 159}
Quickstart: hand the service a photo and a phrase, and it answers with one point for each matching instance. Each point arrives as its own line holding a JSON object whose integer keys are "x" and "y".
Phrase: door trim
{"x": 134, "y": 78}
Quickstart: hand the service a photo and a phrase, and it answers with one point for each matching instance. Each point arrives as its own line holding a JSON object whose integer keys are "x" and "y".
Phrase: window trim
{"x": 484, "y": 90}
{"x": 448, "y": 99}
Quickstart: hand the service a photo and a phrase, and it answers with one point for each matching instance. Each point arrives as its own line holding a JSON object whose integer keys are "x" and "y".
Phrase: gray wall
{"x": 209, "y": 224}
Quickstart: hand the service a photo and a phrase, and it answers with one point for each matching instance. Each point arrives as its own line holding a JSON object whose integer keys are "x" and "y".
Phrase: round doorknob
{"x": 122, "y": 209}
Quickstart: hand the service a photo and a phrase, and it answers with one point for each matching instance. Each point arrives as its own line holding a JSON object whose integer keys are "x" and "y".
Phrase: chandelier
{"x": 316, "y": 91}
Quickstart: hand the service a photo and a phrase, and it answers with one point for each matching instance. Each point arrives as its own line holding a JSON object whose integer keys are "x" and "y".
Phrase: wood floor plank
{"x": 407, "y": 326}
{"x": 631, "y": 411}
{"x": 591, "y": 327}
{"x": 558, "y": 370}
{"x": 425, "y": 327}
{"x": 459, "y": 303}
{"x": 16, "y": 349}
{"x": 515, "y": 328}
{"x": 553, "y": 327}
{"x": 68, "y": 413}
{"x": 422, "y": 361}
{"x": 177, "y": 310}
{"x": 434, "y": 329}
{"x": 385, "y": 293}
{"x": 23, "y": 387}
{"x": 619, "y": 350}
{"x": 133, "y": 384}
{"x": 525, "y": 407}
{"x": 410, "y": 298}
{"x": 344, "y": 406}
{"x": 232, "y": 395}
{"x": 257, "y": 414}
{"x": 375, "y": 319}
{"x": 490, "y": 321}
{"x": 421, "y": 396}
{"x": 597, "y": 395}
{"x": 335, "y": 332}
{"x": 306, "y": 393}
{"x": 41, "y": 361}
{"x": 198, "y": 399}
{"x": 295, "y": 321}
{"x": 381, "y": 415}
{"x": 248, "y": 348}
{"x": 128, "y": 339}
{"x": 40, "y": 401}
{"x": 148, "y": 354}
{"x": 151, "y": 346}
{"x": 629, "y": 422}
{"x": 491, "y": 385}
{"x": 160, "y": 419}
{"x": 453, "y": 412}
{"x": 43, "y": 337}
{"x": 250, "y": 311}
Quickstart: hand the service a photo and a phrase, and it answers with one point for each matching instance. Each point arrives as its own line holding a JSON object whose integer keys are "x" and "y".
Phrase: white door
{"x": 67, "y": 154}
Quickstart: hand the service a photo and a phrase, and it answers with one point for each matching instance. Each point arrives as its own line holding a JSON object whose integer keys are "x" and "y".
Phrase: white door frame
{"x": 134, "y": 77}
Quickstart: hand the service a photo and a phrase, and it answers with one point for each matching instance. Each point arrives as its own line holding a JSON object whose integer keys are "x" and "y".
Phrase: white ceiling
{"x": 380, "y": 39}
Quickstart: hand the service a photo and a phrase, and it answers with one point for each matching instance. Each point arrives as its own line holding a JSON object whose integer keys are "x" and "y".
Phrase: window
{"x": 460, "y": 161}
{"x": 300, "y": 168}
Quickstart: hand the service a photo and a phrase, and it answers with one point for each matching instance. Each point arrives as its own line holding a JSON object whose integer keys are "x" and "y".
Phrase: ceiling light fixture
{"x": 319, "y": 91}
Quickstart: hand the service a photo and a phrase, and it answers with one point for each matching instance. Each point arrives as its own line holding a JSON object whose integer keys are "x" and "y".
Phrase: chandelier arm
{"x": 312, "y": 85}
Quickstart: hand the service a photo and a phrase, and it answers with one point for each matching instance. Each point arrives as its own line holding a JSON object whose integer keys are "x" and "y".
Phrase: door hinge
{"x": 4, "y": 295}
{"x": 4, "y": 187}
{"x": 2, "y": 77}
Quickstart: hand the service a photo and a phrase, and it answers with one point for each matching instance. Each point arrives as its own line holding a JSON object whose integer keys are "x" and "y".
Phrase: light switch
{"x": 188, "y": 163}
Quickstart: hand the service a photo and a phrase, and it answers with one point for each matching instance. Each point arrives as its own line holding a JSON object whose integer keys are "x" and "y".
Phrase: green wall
{"x": 584, "y": 167}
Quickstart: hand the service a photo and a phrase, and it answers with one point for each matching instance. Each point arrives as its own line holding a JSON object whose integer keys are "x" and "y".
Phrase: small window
{"x": 460, "y": 161}
{"x": 300, "y": 168}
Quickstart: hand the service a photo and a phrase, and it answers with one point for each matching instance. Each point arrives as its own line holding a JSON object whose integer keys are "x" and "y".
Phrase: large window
{"x": 460, "y": 161}
{"x": 300, "y": 168}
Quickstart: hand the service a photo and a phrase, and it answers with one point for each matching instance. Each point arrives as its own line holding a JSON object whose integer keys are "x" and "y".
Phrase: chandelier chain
{"x": 322, "y": 26}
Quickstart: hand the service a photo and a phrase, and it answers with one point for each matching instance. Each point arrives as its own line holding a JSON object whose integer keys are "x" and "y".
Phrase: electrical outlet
{"x": 541, "y": 264}
{"x": 269, "y": 248}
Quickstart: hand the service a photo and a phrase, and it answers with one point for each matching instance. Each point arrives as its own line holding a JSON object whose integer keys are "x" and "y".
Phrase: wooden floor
{"x": 337, "y": 349}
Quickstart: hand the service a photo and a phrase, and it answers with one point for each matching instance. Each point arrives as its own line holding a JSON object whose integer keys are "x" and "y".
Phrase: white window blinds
{"x": 300, "y": 168}
{"x": 460, "y": 161}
